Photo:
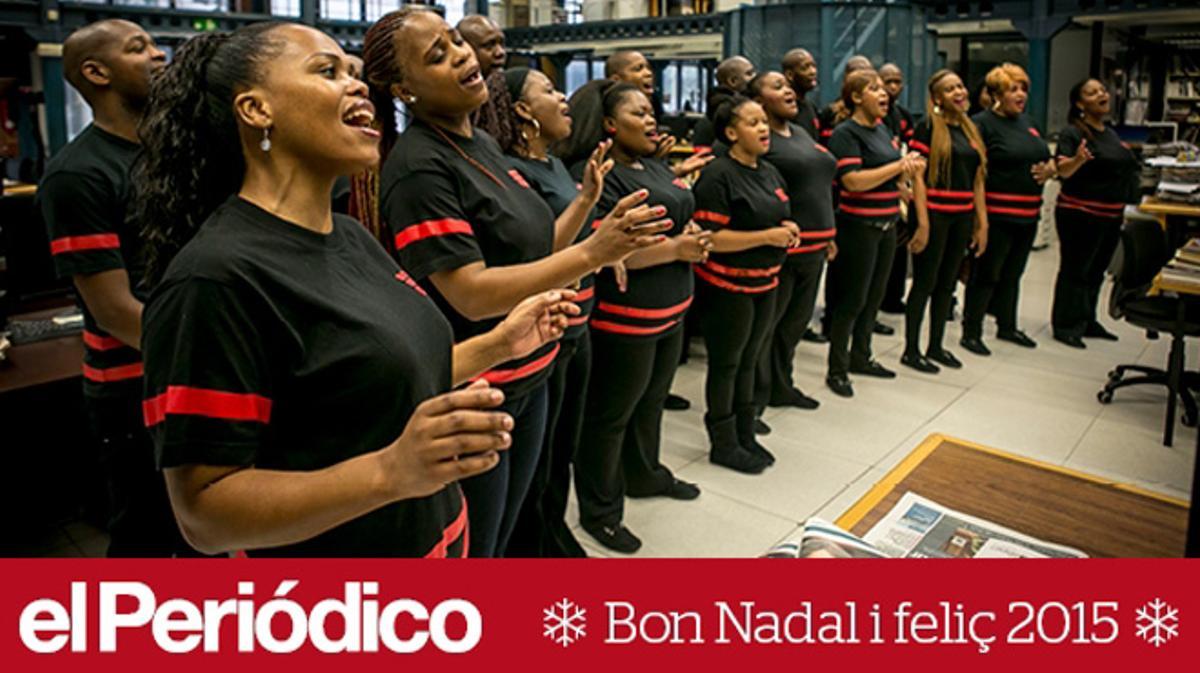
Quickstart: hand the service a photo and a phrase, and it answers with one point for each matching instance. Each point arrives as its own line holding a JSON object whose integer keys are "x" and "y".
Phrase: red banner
{"x": 597, "y": 615}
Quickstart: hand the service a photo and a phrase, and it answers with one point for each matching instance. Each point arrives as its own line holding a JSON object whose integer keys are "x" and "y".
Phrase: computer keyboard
{"x": 29, "y": 331}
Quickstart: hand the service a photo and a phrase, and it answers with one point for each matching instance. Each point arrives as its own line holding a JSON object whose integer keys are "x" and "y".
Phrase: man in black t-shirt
{"x": 83, "y": 199}
{"x": 800, "y": 69}
{"x": 733, "y": 74}
{"x": 900, "y": 122}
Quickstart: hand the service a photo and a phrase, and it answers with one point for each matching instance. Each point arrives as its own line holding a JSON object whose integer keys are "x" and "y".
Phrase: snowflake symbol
{"x": 564, "y": 622}
{"x": 1157, "y": 622}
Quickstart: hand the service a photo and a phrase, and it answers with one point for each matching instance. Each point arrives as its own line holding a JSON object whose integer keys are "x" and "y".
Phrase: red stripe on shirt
{"x": 820, "y": 234}
{"x": 644, "y": 313}
{"x": 1101, "y": 205}
{"x": 585, "y": 294}
{"x": 618, "y": 328}
{"x": 821, "y": 148}
{"x": 499, "y": 376}
{"x": 710, "y": 216}
{"x": 219, "y": 404}
{"x": 1018, "y": 198}
{"x": 101, "y": 343}
{"x": 869, "y": 212}
{"x": 431, "y": 228}
{"x": 781, "y": 194}
{"x": 84, "y": 243}
{"x": 1017, "y": 212}
{"x": 919, "y": 146}
{"x": 578, "y": 320}
{"x": 456, "y": 529}
{"x": 112, "y": 374}
{"x": 949, "y": 194}
{"x": 1090, "y": 211}
{"x": 731, "y": 287}
{"x": 739, "y": 272}
{"x": 849, "y": 161}
{"x": 807, "y": 248}
{"x": 950, "y": 207}
{"x": 403, "y": 277}
{"x": 518, "y": 178}
{"x": 870, "y": 196}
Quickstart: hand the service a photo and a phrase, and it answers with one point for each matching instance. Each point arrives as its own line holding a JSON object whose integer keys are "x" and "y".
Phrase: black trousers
{"x": 894, "y": 294}
{"x": 1086, "y": 246}
{"x": 736, "y": 327}
{"x": 142, "y": 523}
{"x": 795, "y": 301}
{"x": 541, "y": 530}
{"x": 619, "y": 448}
{"x": 865, "y": 254}
{"x": 995, "y": 283}
{"x": 935, "y": 274}
{"x": 494, "y": 498}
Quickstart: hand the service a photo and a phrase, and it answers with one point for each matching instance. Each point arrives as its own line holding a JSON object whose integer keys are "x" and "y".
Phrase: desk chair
{"x": 1144, "y": 253}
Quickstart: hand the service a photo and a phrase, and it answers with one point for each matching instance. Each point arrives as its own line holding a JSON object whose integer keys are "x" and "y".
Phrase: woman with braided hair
{"x": 473, "y": 232}
{"x": 297, "y": 380}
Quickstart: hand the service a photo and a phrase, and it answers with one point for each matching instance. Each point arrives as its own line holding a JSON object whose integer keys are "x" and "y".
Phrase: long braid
{"x": 468, "y": 158}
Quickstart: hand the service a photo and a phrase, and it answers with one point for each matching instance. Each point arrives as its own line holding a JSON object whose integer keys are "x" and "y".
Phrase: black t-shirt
{"x": 658, "y": 296}
{"x": 83, "y": 198}
{"x": 731, "y": 195}
{"x": 446, "y": 213}
{"x": 551, "y": 180}
{"x": 1014, "y": 145}
{"x": 955, "y": 193}
{"x": 808, "y": 169}
{"x": 273, "y": 346}
{"x": 1103, "y": 185}
{"x": 859, "y": 147}
{"x": 807, "y": 117}
{"x": 900, "y": 122}
{"x": 826, "y": 123}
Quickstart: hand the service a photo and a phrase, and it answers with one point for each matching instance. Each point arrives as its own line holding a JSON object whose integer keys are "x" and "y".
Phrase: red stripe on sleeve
{"x": 189, "y": 401}
{"x": 431, "y": 228}
{"x": 585, "y": 294}
{"x": 849, "y": 161}
{"x": 710, "y": 216}
{"x": 67, "y": 244}
{"x": 919, "y": 146}
{"x": 101, "y": 343}
{"x": 113, "y": 374}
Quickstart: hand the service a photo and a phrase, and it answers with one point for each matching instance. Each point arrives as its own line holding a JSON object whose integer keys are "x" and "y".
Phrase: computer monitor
{"x": 27, "y": 276}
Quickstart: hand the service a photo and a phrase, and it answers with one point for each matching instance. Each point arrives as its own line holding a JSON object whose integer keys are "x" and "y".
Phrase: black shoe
{"x": 872, "y": 368}
{"x": 1070, "y": 340}
{"x": 1016, "y": 336}
{"x": 682, "y": 490}
{"x": 945, "y": 358}
{"x": 794, "y": 398}
{"x": 617, "y": 538}
{"x": 840, "y": 385}
{"x": 747, "y": 425}
{"x": 814, "y": 336}
{"x": 761, "y": 428}
{"x": 885, "y": 330}
{"x": 725, "y": 449}
{"x": 976, "y": 345}
{"x": 919, "y": 362}
{"x": 1097, "y": 331}
{"x": 676, "y": 403}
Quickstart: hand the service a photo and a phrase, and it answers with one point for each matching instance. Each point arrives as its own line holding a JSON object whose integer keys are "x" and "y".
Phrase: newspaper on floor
{"x": 918, "y": 527}
{"x": 821, "y": 539}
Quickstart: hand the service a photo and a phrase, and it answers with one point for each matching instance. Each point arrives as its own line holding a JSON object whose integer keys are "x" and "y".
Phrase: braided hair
{"x": 191, "y": 159}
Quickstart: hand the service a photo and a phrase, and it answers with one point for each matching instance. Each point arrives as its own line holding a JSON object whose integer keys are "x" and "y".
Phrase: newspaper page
{"x": 822, "y": 539}
{"x": 918, "y": 527}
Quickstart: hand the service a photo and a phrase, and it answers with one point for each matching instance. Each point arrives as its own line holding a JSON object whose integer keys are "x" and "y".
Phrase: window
{"x": 577, "y": 74}
{"x": 285, "y": 7}
{"x": 341, "y": 10}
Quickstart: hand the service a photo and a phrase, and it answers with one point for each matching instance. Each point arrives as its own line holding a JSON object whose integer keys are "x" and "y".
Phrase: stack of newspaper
{"x": 917, "y": 527}
{"x": 1184, "y": 268}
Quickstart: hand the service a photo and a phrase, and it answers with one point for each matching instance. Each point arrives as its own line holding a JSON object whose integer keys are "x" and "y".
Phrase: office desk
{"x": 41, "y": 362}
{"x": 21, "y": 189}
{"x": 1193, "y": 534}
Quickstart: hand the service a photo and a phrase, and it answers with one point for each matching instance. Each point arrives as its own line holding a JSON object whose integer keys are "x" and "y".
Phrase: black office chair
{"x": 1144, "y": 252}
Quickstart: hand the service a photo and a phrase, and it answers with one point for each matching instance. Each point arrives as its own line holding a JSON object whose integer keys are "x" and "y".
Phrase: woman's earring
{"x": 411, "y": 101}
{"x": 265, "y": 144}
{"x": 937, "y": 109}
{"x": 537, "y": 128}
{"x": 609, "y": 130}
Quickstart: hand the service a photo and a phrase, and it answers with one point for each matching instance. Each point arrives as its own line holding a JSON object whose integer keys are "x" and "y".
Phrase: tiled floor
{"x": 1039, "y": 403}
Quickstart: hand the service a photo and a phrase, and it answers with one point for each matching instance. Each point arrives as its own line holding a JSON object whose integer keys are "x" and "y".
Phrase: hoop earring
{"x": 265, "y": 144}
{"x": 537, "y": 130}
{"x": 937, "y": 109}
